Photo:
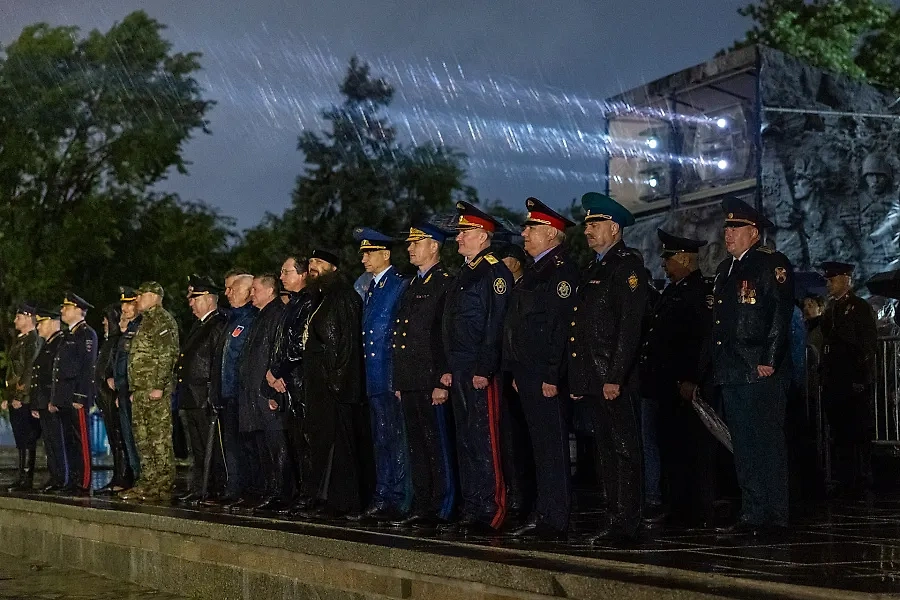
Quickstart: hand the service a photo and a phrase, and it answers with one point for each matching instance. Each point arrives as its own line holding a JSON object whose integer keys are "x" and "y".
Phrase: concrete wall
{"x": 240, "y": 561}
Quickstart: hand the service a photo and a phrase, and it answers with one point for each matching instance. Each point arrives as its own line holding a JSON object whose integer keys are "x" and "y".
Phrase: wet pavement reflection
{"x": 846, "y": 545}
{"x": 23, "y": 580}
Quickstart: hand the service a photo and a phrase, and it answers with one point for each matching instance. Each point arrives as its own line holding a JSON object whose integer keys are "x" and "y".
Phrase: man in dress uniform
{"x": 534, "y": 345}
{"x": 848, "y": 371}
{"x": 19, "y": 360}
{"x": 753, "y": 301}
{"x": 194, "y": 372}
{"x": 678, "y": 327}
{"x": 518, "y": 462}
{"x": 151, "y": 360}
{"x": 419, "y": 363}
{"x": 603, "y": 347}
{"x": 337, "y": 420}
{"x": 472, "y": 334}
{"x": 393, "y": 487}
{"x": 75, "y": 390}
{"x": 43, "y": 380}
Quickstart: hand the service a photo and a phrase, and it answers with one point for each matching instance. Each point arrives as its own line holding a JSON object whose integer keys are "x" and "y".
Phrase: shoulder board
{"x": 491, "y": 259}
{"x": 624, "y": 252}
{"x": 765, "y": 250}
{"x": 560, "y": 260}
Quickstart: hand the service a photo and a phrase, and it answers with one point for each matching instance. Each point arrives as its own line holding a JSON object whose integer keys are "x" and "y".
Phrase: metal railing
{"x": 886, "y": 412}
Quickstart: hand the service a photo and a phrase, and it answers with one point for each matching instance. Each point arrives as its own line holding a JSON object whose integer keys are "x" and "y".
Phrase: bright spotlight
{"x": 722, "y": 164}
{"x": 653, "y": 143}
{"x": 721, "y": 123}
{"x": 652, "y": 182}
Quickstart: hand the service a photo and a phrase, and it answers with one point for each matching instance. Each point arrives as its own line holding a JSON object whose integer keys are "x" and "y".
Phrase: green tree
{"x": 357, "y": 174}
{"x": 858, "y": 37}
{"x": 87, "y": 125}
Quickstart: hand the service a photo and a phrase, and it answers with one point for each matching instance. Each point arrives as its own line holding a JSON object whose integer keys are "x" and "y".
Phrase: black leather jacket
{"x": 537, "y": 320}
{"x": 677, "y": 330}
{"x": 332, "y": 355}
{"x": 286, "y": 358}
{"x": 473, "y": 315}
{"x": 418, "y": 345}
{"x": 751, "y": 316}
{"x": 606, "y": 326}
{"x": 193, "y": 370}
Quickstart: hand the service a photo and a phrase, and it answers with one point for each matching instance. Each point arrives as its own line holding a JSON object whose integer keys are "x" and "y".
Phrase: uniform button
{"x": 179, "y": 381}
{"x": 720, "y": 302}
{"x": 718, "y": 322}
{"x": 571, "y": 339}
{"x": 403, "y": 347}
{"x": 373, "y": 354}
{"x": 574, "y": 355}
{"x": 371, "y": 331}
{"x": 719, "y": 343}
{"x": 393, "y": 345}
{"x": 398, "y": 320}
{"x": 572, "y": 323}
{"x": 395, "y": 333}
{"x": 406, "y": 321}
{"x": 371, "y": 343}
{"x": 404, "y": 334}
{"x": 651, "y": 329}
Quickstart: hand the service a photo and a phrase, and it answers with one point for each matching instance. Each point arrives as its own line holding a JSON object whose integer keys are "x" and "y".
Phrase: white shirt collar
{"x": 202, "y": 319}
{"x": 381, "y": 275}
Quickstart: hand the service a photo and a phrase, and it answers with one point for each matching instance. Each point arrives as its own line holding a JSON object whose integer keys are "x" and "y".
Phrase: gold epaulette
{"x": 491, "y": 259}
{"x": 766, "y": 250}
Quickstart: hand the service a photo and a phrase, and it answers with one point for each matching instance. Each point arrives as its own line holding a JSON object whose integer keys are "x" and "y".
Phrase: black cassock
{"x": 341, "y": 475}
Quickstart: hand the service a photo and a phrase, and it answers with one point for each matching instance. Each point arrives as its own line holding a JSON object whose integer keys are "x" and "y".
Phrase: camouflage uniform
{"x": 150, "y": 367}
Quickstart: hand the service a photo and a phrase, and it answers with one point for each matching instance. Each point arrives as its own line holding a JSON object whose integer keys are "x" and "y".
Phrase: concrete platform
{"x": 207, "y": 554}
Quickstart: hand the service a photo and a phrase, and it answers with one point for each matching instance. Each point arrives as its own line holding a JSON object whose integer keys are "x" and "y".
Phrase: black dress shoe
{"x": 239, "y": 504}
{"x": 611, "y": 535}
{"x": 271, "y": 504}
{"x": 377, "y": 515}
{"x": 477, "y": 528}
{"x": 655, "y": 514}
{"x": 189, "y": 497}
{"x": 536, "y": 530}
{"x": 739, "y": 528}
{"x": 421, "y": 519}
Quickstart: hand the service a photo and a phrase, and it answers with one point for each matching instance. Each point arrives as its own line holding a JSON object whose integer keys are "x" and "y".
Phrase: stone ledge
{"x": 239, "y": 558}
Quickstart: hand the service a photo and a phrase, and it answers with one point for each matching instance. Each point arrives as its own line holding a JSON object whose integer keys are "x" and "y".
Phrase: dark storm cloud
{"x": 260, "y": 65}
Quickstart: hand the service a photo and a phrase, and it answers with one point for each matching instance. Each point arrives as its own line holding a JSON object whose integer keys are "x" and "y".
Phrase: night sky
{"x": 509, "y": 83}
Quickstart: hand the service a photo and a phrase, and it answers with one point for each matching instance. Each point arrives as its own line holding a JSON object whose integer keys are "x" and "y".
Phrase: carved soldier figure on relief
{"x": 803, "y": 217}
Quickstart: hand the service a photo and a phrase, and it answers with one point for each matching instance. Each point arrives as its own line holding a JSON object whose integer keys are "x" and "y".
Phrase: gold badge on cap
{"x": 499, "y": 286}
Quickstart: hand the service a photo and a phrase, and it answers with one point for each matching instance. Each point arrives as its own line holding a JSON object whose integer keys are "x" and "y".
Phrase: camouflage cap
{"x": 151, "y": 287}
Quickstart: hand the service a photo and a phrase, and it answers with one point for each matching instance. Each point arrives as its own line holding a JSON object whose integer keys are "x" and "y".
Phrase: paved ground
{"x": 35, "y": 581}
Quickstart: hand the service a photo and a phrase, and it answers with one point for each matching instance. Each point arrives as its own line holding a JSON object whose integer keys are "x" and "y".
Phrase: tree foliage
{"x": 87, "y": 125}
{"x": 858, "y": 37}
{"x": 357, "y": 174}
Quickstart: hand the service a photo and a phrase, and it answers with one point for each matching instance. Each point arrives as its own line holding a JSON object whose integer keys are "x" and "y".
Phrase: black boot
{"x": 17, "y": 486}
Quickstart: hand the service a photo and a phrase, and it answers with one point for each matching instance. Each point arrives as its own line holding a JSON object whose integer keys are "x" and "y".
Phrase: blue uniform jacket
{"x": 77, "y": 362}
{"x": 381, "y": 305}
{"x": 473, "y": 315}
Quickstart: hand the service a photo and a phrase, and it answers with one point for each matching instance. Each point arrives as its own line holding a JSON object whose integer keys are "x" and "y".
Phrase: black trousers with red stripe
{"x": 477, "y": 417}
{"x": 77, "y": 441}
